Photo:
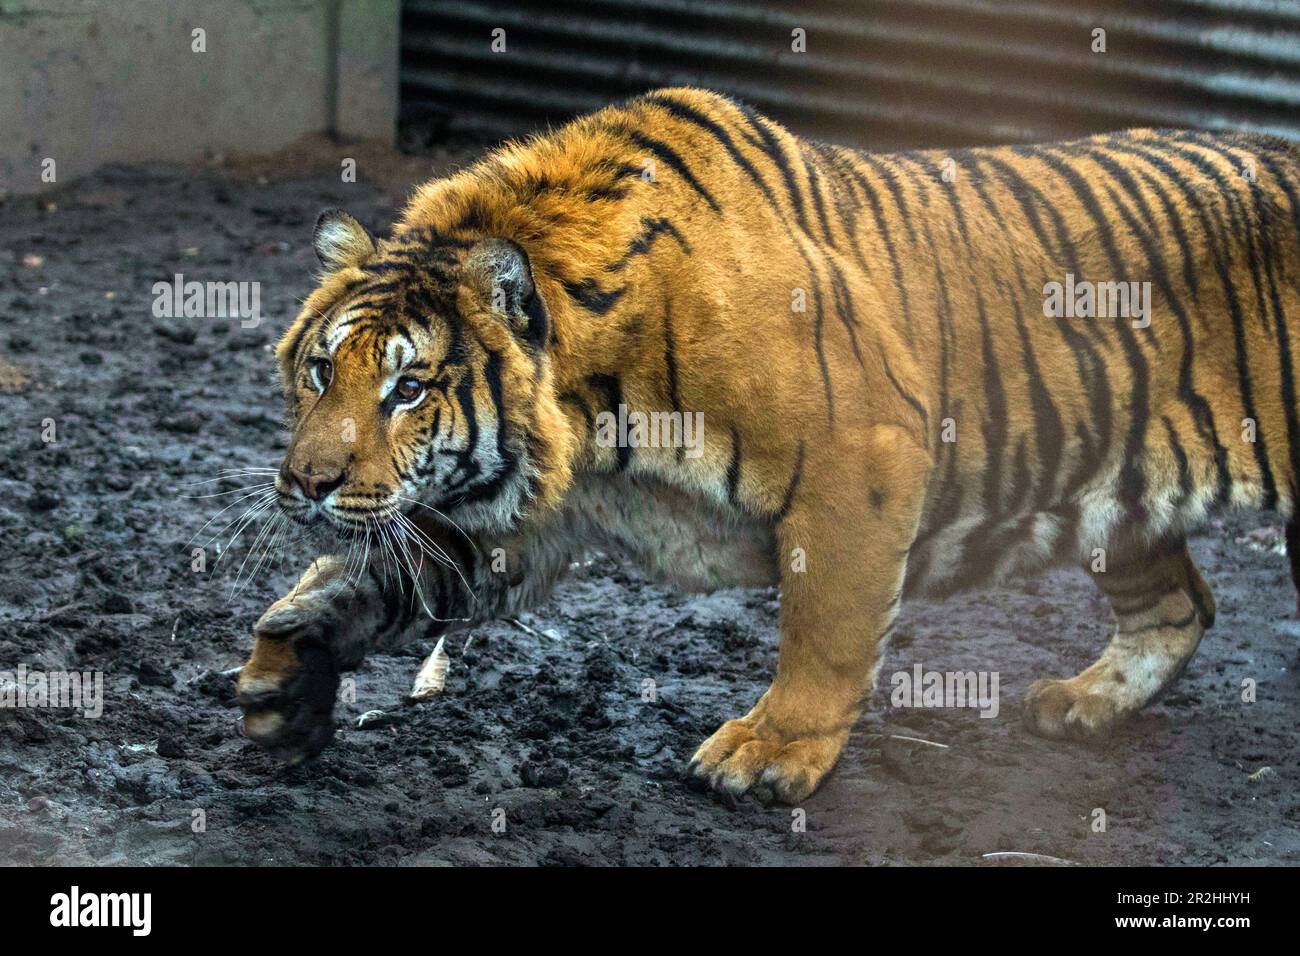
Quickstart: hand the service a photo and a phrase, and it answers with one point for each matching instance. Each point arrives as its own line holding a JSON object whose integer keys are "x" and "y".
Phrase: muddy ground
{"x": 544, "y": 721}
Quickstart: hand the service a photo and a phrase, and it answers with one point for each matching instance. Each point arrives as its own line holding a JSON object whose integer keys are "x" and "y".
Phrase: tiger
{"x": 913, "y": 375}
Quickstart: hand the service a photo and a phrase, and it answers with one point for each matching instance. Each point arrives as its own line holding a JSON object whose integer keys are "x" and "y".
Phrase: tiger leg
{"x": 842, "y": 565}
{"x": 1162, "y": 609}
{"x": 331, "y": 619}
{"x": 324, "y": 625}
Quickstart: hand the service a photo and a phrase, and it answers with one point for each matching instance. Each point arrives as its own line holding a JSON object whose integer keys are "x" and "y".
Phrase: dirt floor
{"x": 543, "y": 725}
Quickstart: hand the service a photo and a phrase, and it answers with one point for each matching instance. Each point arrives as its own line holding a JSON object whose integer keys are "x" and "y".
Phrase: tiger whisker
{"x": 261, "y": 534}
{"x": 421, "y": 538}
{"x": 234, "y": 491}
{"x": 276, "y": 520}
{"x": 230, "y": 475}
{"x": 431, "y": 508}
{"x": 232, "y": 504}
{"x": 243, "y": 523}
{"x": 415, "y": 575}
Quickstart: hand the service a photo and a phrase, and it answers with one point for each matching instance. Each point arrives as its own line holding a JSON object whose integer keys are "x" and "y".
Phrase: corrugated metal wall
{"x": 877, "y": 73}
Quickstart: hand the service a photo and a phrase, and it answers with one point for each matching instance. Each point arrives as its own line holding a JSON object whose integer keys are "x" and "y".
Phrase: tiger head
{"x": 417, "y": 375}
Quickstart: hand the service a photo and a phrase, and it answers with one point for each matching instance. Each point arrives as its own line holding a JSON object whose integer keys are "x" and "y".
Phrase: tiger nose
{"x": 316, "y": 484}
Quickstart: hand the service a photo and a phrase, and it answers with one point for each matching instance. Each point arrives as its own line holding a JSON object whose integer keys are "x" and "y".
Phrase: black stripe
{"x": 308, "y": 325}
{"x": 838, "y": 174}
{"x": 994, "y": 426}
{"x": 506, "y": 459}
{"x": 818, "y": 345}
{"x": 1145, "y": 227}
{"x": 588, "y": 294}
{"x": 907, "y": 396}
{"x": 1140, "y": 605}
{"x": 1132, "y": 481}
{"x": 946, "y": 329}
{"x": 1223, "y": 266}
{"x": 882, "y": 230}
{"x": 1024, "y": 194}
{"x": 819, "y": 348}
{"x": 1202, "y": 411}
{"x": 1091, "y": 367}
{"x": 1244, "y": 228}
{"x": 612, "y": 389}
{"x": 763, "y": 139}
{"x": 670, "y": 370}
{"x": 947, "y": 190}
{"x": 1049, "y": 431}
{"x": 1284, "y": 345}
{"x": 733, "y": 468}
{"x": 895, "y": 190}
{"x": 1175, "y": 219}
{"x": 1260, "y": 205}
{"x": 380, "y": 267}
{"x": 946, "y": 511}
{"x": 1185, "y": 486}
{"x": 674, "y": 161}
{"x": 575, "y": 399}
{"x": 814, "y": 187}
{"x": 651, "y": 229}
{"x": 466, "y": 464}
{"x": 714, "y": 129}
{"x": 844, "y": 307}
{"x": 791, "y": 488}
{"x": 1179, "y": 623}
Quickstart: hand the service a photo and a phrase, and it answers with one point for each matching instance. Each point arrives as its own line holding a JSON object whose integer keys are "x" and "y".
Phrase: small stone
{"x": 116, "y": 602}
{"x": 176, "y": 332}
{"x": 169, "y": 746}
{"x": 151, "y": 675}
{"x": 184, "y": 423}
{"x": 543, "y": 774}
{"x": 43, "y": 501}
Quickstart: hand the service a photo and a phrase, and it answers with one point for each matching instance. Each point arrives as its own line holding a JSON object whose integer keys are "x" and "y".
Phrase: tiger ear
{"x": 341, "y": 241}
{"x": 501, "y": 277}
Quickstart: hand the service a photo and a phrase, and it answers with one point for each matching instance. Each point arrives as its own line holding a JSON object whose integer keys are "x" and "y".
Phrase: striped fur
{"x": 887, "y": 408}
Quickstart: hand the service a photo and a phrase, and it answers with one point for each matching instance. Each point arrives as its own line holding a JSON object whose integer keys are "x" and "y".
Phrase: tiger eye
{"x": 409, "y": 389}
{"x": 324, "y": 370}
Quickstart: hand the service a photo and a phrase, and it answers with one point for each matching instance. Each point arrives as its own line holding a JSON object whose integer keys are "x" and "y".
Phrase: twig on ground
{"x": 910, "y": 740}
{"x": 1035, "y": 857}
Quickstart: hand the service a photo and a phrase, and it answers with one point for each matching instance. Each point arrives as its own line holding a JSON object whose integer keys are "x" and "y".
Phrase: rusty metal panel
{"x": 877, "y": 73}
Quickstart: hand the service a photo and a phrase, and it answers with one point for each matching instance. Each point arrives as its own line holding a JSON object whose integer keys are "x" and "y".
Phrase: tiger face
{"x": 416, "y": 377}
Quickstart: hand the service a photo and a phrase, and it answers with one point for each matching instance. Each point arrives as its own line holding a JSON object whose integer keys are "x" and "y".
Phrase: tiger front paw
{"x": 751, "y": 756}
{"x": 288, "y": 687}
{"x": 1076, "y": 709}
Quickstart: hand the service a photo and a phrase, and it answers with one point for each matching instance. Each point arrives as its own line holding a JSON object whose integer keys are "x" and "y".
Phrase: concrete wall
{"x": 87, "y": 82}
